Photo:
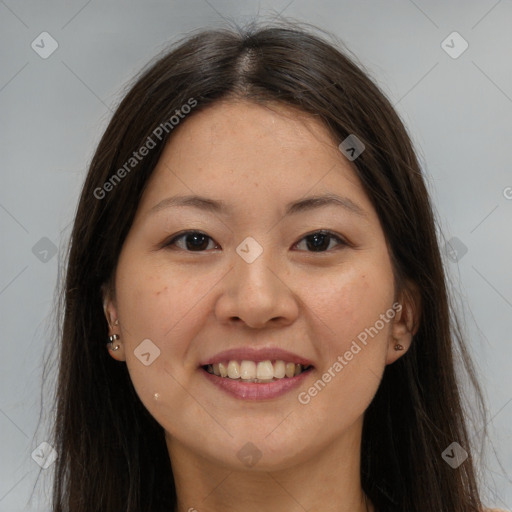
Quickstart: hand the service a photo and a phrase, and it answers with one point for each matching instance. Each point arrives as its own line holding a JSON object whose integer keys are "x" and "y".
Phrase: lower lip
{"x": 253, "y": 390}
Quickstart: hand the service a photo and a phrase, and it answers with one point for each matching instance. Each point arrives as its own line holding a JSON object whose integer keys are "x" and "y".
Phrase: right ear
{"x": 110, "y": 310}
{"x": 109, "y": 307}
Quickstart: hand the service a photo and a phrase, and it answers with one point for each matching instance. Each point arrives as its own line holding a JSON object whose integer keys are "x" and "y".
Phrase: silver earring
{"x": 399, "y": 347}
{"x": 113, "y": 338}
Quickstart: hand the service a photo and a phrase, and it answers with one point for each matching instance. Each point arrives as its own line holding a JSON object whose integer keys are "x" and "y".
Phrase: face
{"x": 260, "y": 279}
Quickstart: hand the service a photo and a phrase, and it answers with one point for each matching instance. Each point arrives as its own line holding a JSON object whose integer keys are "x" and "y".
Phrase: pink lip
{"x": 254, "y": 390}
{"x": 256, "y": 355}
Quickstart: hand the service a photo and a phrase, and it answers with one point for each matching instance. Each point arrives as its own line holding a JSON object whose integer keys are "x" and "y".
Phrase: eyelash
{"x": 330, "y": 234}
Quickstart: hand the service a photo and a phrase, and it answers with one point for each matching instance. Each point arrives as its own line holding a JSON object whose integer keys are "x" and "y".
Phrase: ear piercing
{"x": 399, "y": 347}
{"x": 113, "y": 338}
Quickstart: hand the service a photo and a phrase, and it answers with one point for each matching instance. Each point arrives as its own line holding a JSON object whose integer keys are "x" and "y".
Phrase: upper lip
{"x": 256, "y": 355}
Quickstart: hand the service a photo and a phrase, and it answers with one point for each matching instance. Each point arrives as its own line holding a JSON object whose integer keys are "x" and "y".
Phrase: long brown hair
{"x": 112, "y": 452}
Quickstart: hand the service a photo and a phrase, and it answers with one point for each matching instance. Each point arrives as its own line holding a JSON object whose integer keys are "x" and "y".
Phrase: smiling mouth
{"x": 256, "y": 372}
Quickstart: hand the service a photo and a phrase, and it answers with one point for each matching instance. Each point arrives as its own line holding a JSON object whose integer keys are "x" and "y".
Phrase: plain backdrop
{"x": 456, "y": 103}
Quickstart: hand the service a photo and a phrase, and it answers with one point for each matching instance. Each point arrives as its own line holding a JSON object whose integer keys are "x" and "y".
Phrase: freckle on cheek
{"x": 160, "y": 291}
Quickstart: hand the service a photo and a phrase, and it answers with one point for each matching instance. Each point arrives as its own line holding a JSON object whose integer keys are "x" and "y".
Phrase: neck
{"x": 329, "y": 481}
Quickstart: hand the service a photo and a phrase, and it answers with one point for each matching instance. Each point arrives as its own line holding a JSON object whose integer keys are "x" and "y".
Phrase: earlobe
{"x": 113, "y": 344}
{"x": 398, "y": 347}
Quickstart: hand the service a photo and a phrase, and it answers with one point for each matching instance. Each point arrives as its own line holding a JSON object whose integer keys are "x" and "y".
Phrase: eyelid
{"x": 340, "y": 239}
{"x": 177, "y": 236}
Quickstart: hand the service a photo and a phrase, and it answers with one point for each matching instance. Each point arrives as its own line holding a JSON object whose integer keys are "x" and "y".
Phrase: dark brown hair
{"x": 112, "y": 453}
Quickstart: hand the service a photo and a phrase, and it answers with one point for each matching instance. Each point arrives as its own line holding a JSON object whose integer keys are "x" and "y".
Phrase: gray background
{"x": 54, "y": 110}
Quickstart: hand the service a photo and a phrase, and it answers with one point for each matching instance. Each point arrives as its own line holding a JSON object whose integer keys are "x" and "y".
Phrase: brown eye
{"x": 194, "y": 241}
{"x": 320, "y": 241}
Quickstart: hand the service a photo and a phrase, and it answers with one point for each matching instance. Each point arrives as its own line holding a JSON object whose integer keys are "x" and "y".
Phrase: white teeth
{"x": 233, "y": 370}
{"x": 279, "y": 369}
{"x": 290, "y": 370}
{"x": 248, "y": 370}
{"x": 223, "y": 369}
{"x": 265, "y": 370}
{"x": 251, "y": 371}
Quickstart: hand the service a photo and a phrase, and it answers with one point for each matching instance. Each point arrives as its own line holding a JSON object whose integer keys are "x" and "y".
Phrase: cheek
{"x": 349, "y": 302}
{"x": 157, "y": 311}
{"x": 156, "y": 301}
{"x": 352, "y": 354}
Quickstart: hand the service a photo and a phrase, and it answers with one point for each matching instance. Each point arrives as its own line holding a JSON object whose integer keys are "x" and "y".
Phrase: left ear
{"x": 405, "y": 323}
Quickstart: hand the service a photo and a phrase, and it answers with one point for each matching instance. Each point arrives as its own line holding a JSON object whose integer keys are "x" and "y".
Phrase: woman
{"x": 255, "y": 241}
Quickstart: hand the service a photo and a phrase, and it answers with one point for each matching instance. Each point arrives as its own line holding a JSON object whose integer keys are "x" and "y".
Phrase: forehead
{"x": 247, "y": 153}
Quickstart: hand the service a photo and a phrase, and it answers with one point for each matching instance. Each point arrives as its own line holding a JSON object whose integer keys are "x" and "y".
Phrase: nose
{"x": 257, "y": 294}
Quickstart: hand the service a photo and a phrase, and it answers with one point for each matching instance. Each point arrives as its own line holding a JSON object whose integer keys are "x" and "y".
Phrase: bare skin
{"x": 193, "y": 304}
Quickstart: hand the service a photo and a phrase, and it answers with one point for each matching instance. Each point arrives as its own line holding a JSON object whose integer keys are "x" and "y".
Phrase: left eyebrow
{"x": 300, "y": 206}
